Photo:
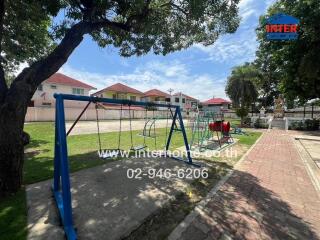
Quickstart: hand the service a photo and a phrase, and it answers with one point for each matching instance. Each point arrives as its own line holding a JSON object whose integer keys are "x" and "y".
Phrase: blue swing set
{"x": 61, "y": 182}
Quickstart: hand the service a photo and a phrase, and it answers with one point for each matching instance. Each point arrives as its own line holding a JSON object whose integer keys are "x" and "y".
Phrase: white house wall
{"x": 41, "y": 101}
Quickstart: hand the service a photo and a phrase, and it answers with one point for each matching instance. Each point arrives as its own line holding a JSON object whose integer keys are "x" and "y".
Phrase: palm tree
{"x": 241, "y": 88}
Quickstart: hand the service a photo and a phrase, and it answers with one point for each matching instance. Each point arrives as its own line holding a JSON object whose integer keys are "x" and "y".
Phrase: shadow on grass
{"x": 13, "y": 218}
{"x": 36, "y": 143}
{"x": 41, "y": 168}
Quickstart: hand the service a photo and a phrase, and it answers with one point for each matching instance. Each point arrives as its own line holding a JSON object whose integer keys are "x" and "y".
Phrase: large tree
{"x": 134, "y": 27}
{"x": 295, "y": 63}
{"x": 268, "y": 81}
{"x": 241, "y": 88}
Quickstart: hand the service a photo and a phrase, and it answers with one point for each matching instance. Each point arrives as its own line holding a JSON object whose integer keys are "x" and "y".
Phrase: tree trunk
{"x": 14, "y": 101}
{"x": 241, "y": 121}
{"x": 12, "y": 141}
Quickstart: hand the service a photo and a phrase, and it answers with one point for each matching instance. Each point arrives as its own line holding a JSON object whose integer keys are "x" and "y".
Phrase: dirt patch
{"x": 87, "y": 127}
{"x": 160, "y": 224}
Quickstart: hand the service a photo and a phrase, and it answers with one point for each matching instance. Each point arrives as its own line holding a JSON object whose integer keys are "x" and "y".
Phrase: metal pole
{"x": 63, "y": 198}
{"x": 171, "y": 130}
{"x": 78, "y": 118}
{"x": 184, "y": 135}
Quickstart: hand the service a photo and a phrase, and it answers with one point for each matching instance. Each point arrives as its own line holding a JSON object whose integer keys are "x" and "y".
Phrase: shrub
{"x": 307, "y": 125}
{"x": 259, "y": 123}
{"x": 242, "y": 113}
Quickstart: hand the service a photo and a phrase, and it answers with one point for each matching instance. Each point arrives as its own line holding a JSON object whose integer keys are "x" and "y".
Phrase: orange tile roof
{"x": 59, "y": 78}
{"x": 216, "y": 101}
{"x": 121, "y": 88}
{"x": 155, "y": 93}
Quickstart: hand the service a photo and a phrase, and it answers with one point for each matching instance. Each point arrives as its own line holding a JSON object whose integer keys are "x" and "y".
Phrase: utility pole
{"x": 170, "y": 90}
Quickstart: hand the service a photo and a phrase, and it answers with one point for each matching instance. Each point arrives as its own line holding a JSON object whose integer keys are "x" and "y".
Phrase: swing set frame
{"x": 61, "y": 181}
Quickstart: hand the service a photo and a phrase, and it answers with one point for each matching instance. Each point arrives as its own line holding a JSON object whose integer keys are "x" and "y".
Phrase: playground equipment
{"x": 136, "y": 147}
{"x": 61, "y": 182}
{"x": 149, "y": 128}
{"x": 238, "y": 131}
{"x": 210, "y": 129}
{"x": 222, "y": 130}
{"x": 107, "y": 153}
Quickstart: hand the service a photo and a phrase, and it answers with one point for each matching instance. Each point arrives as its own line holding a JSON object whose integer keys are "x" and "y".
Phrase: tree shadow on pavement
{"x": 243, "y": 209}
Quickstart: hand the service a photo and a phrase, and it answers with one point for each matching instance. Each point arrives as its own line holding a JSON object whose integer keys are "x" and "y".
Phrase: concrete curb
{"x": 308, "y": 162}
{"x": 177, "y": 232}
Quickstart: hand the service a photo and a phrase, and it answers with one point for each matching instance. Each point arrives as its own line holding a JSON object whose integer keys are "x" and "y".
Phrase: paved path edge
{"x": 307, "y": 162}
{"x": 176, "y": 233}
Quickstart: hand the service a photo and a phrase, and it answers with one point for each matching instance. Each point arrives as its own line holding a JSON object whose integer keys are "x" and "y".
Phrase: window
{"x": 53, "y": 86}
{"x": 157, "y": 99}
{"x": 101, "y": 95}
{"x": 168, "y": 100}
{"x": 114, "y": 96}
{"x": 40, "y": 87}
{"x": 78, "y": 91}
{"x": 183, "y": 100}
{"x": 176, "y": 100}
{"x": 133, "y": 98}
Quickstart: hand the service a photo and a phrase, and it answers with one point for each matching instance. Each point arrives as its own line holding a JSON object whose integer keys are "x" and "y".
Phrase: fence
{"x": 47, "y": 114}
{"x": 41, "y": 114}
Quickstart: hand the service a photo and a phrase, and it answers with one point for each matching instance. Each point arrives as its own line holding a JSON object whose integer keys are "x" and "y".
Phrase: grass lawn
{"x": 233, "y": 121}
{"x": 13, "y": 217}
{"x": 82, "y": 151}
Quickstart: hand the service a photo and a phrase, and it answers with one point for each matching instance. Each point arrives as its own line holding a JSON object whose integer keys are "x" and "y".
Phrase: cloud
{"x": 241, "y": 46}
{"x": 158, "y": 75}
{"x": 248, "y": 8}
{"x": 229, "y": 50}
{"x": 232, "y": 50}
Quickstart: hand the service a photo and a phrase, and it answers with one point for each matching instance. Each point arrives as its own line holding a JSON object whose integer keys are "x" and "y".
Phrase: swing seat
{"x": 139, "y": 147}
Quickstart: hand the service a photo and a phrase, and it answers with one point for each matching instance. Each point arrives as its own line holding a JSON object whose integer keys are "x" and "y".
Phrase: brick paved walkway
{"x": 269, "y": 196}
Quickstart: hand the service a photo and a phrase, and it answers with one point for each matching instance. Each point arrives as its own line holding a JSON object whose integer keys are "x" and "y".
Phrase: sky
{"x": 198, "y": 71}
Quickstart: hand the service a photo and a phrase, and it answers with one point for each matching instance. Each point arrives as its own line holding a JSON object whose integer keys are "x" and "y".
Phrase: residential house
{"x": 216, "y": 105}
{"x": 59, "y": 83}
{"x": 120, "y": 91}
{"x": 156, "y": 96}
{"x": 185, "y": 102}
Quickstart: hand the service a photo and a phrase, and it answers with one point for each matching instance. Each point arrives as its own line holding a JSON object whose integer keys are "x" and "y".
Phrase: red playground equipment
{"x": 222, "y": 130}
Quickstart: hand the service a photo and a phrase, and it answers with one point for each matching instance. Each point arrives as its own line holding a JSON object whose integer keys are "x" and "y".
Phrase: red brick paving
{"x": 269, "y": 196}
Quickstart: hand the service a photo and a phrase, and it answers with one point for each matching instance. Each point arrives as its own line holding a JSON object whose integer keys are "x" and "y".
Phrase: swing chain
{"x": 98, "y": 126}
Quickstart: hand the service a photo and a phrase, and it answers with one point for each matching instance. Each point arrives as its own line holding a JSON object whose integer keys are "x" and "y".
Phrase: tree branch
{"x": 28, "y": 80}
{"x": 44, "y": 68}
{"x": 170, "y": 3}
{"x": 3, "y": 84}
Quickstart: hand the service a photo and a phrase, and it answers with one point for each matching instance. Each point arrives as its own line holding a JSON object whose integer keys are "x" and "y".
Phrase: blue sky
{"x": 198, "y": 71}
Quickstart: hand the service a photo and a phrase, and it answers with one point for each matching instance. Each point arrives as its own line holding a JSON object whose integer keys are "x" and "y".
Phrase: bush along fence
{"x": 307, "y": 125}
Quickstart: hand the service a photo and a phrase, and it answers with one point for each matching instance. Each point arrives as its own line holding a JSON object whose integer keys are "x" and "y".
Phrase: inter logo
{"x": 282, "y": 27}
